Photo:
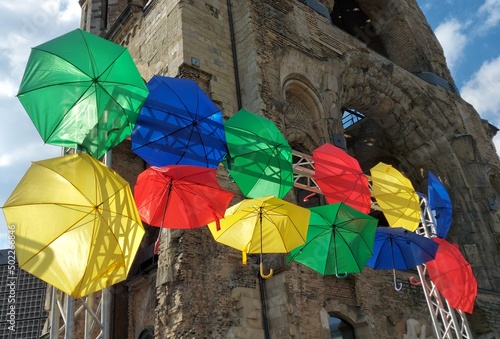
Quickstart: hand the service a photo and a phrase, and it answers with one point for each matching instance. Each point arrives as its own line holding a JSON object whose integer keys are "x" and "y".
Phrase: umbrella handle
{"x": 262, "y": 272}
{"x": 341, "y": 276}
{"x": 414, "y": 282}
{"x": 396, "y": 282}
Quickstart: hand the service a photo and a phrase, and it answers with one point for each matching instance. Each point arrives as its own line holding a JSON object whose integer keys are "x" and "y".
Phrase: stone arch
{"x": 398, "y": 128}
{"x": 351, "y": 314}
{"x": 303, "y": 113}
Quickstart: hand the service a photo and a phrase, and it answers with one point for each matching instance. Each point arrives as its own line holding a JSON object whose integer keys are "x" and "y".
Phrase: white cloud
{"x": 483, "y": 91}
{"x": 7, "y": 88}
{"x": 453, "y": 39}
{"x": 24, "y": 24}
{"x": 490, "y": 14}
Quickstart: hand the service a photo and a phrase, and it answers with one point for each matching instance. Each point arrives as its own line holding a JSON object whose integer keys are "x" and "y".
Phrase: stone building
{"x": 302, "y": 64}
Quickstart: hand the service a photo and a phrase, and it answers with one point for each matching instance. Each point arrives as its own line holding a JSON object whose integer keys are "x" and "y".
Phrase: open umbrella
{"x": 262, "y": 225}
{"x": 440, "y": 205}
{"x": 398, "y": 249}
{"x": 179, "y": 124}
{"x": 453, "y": 276}
{"x": 180, "y": 196}
{"x": 259, "y": 159}
{"x": 340, "y": 178}
{"x": 77, "y": 226}
{"x": 396, "y": 197}
{"x": 82, "y": 90}
{"x": 339, "y": 239}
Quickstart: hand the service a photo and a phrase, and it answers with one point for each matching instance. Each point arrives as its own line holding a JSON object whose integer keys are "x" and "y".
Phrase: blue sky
{"x": 469, "y": 34}
{"x": 467, "y": 30}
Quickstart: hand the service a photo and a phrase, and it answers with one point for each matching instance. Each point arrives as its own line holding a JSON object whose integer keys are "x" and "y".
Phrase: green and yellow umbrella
{"x": 396, "y": 197}
{"x": 259, "y": 157}
{"x": 82, "y": 90}
{"x": 76, "y": 224}
{"x": 262, "y": 225}
{"x": 339, "y": 241}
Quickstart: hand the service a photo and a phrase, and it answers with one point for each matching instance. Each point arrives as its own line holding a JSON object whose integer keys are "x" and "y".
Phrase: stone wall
{"x": 297, "y": 69}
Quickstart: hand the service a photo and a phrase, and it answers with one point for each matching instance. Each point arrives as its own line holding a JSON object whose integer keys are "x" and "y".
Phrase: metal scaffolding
{"x": 447, "y": 322}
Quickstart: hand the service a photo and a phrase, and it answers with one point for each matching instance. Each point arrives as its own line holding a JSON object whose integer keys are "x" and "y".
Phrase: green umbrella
{"x": 82, "y": 90}
{"x": 259, "y": 158}
{"x": 339, "y": 241}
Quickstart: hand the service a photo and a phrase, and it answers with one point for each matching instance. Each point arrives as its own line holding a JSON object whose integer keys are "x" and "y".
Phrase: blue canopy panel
{"x": 179, "y": 125}
{"x": 440, "y": 205}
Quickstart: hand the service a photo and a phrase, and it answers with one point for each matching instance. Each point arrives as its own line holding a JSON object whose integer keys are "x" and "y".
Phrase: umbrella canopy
{"x": 453, "y": 276}
{"x": 260, "y": 159}
{"x": 339, "y": 240}
{"x": 77, "y": 226}
{"x": 396, "y": 197}
{"x": 82, "y": 90}
{"x": 179, "y": 124}
{"x": 397, "y": 248}
{"x": 440, "y": 205}
{"x": 263, "y": 225}
{"x": 340, "y": 178}
{"x": 180, "y": 196}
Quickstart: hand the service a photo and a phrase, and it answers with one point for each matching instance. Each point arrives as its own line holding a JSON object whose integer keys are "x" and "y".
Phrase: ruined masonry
{"x": 302, "y": 64}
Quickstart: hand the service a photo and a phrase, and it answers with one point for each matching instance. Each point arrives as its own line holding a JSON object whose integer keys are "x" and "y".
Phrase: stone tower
{"x": 302, "y": 64}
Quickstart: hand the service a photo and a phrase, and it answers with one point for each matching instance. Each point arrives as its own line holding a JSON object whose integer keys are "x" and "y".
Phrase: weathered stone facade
{"x": 298, "y": 69}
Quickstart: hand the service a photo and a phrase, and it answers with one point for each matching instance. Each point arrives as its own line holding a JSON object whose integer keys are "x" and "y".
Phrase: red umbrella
{"x": 340, "y": 178}
{"x": 180, "y": 196}
{"x": 453, "y": 277}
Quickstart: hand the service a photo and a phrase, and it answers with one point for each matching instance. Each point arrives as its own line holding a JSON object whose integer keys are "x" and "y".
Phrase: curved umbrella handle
{"x": 262, "y": 272}
{"x": 341, "y": 276}
{"x": 414, "y": 282}
{"x": 396, "y": 283}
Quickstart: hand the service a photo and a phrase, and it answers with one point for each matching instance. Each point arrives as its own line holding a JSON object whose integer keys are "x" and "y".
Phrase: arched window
{"x": 147, "y": 333}
{"x": 340, "y": 329}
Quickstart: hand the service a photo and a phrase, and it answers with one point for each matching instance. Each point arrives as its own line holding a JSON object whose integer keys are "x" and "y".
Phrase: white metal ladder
{"x": 447, "y": 322}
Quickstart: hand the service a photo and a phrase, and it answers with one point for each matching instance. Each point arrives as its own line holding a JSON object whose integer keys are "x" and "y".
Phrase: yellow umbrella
{"x": 76, "y": 224}
{"x": 396, "y": 197}
{"x": 263, "y": 225}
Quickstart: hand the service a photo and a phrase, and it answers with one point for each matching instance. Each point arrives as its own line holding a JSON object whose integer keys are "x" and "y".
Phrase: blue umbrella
{"x": 440, "y": 205}
{"x": 398, "y": 248}
{"x": 179, "y": 125}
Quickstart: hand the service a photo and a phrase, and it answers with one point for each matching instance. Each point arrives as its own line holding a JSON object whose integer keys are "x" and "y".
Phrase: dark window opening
{"x": 340, "y": 329}
{"x": 348, "y": 16}
{"x": 148, "y": 333}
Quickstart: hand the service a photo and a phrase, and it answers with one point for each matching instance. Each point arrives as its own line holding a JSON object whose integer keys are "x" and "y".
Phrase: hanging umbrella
{"x": 339, "y": 239}
{"x": 77, "y": 226}
{"x": 340, "y": 178}
{"x": 396, "y": 197}
{"x": 262, "y": 225}
{"x": 82, "y": 90}
{"x": 453, "y": 276}
{"x": 440, "y": 205}
{"x": 398, "y": 249}
{"x": 179, "y": 124}
{"x": 180, "y": 196}
{"x": 260, "y": 159}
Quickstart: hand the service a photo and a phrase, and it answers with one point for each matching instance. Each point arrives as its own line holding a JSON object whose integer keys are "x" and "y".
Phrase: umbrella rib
{"x": 178, "y": 97}
{"x": 66, "y": 113}
{"x": 55, "y": 85}
{"x": 164, "y": 136}
{"x": 62, "y": 232}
